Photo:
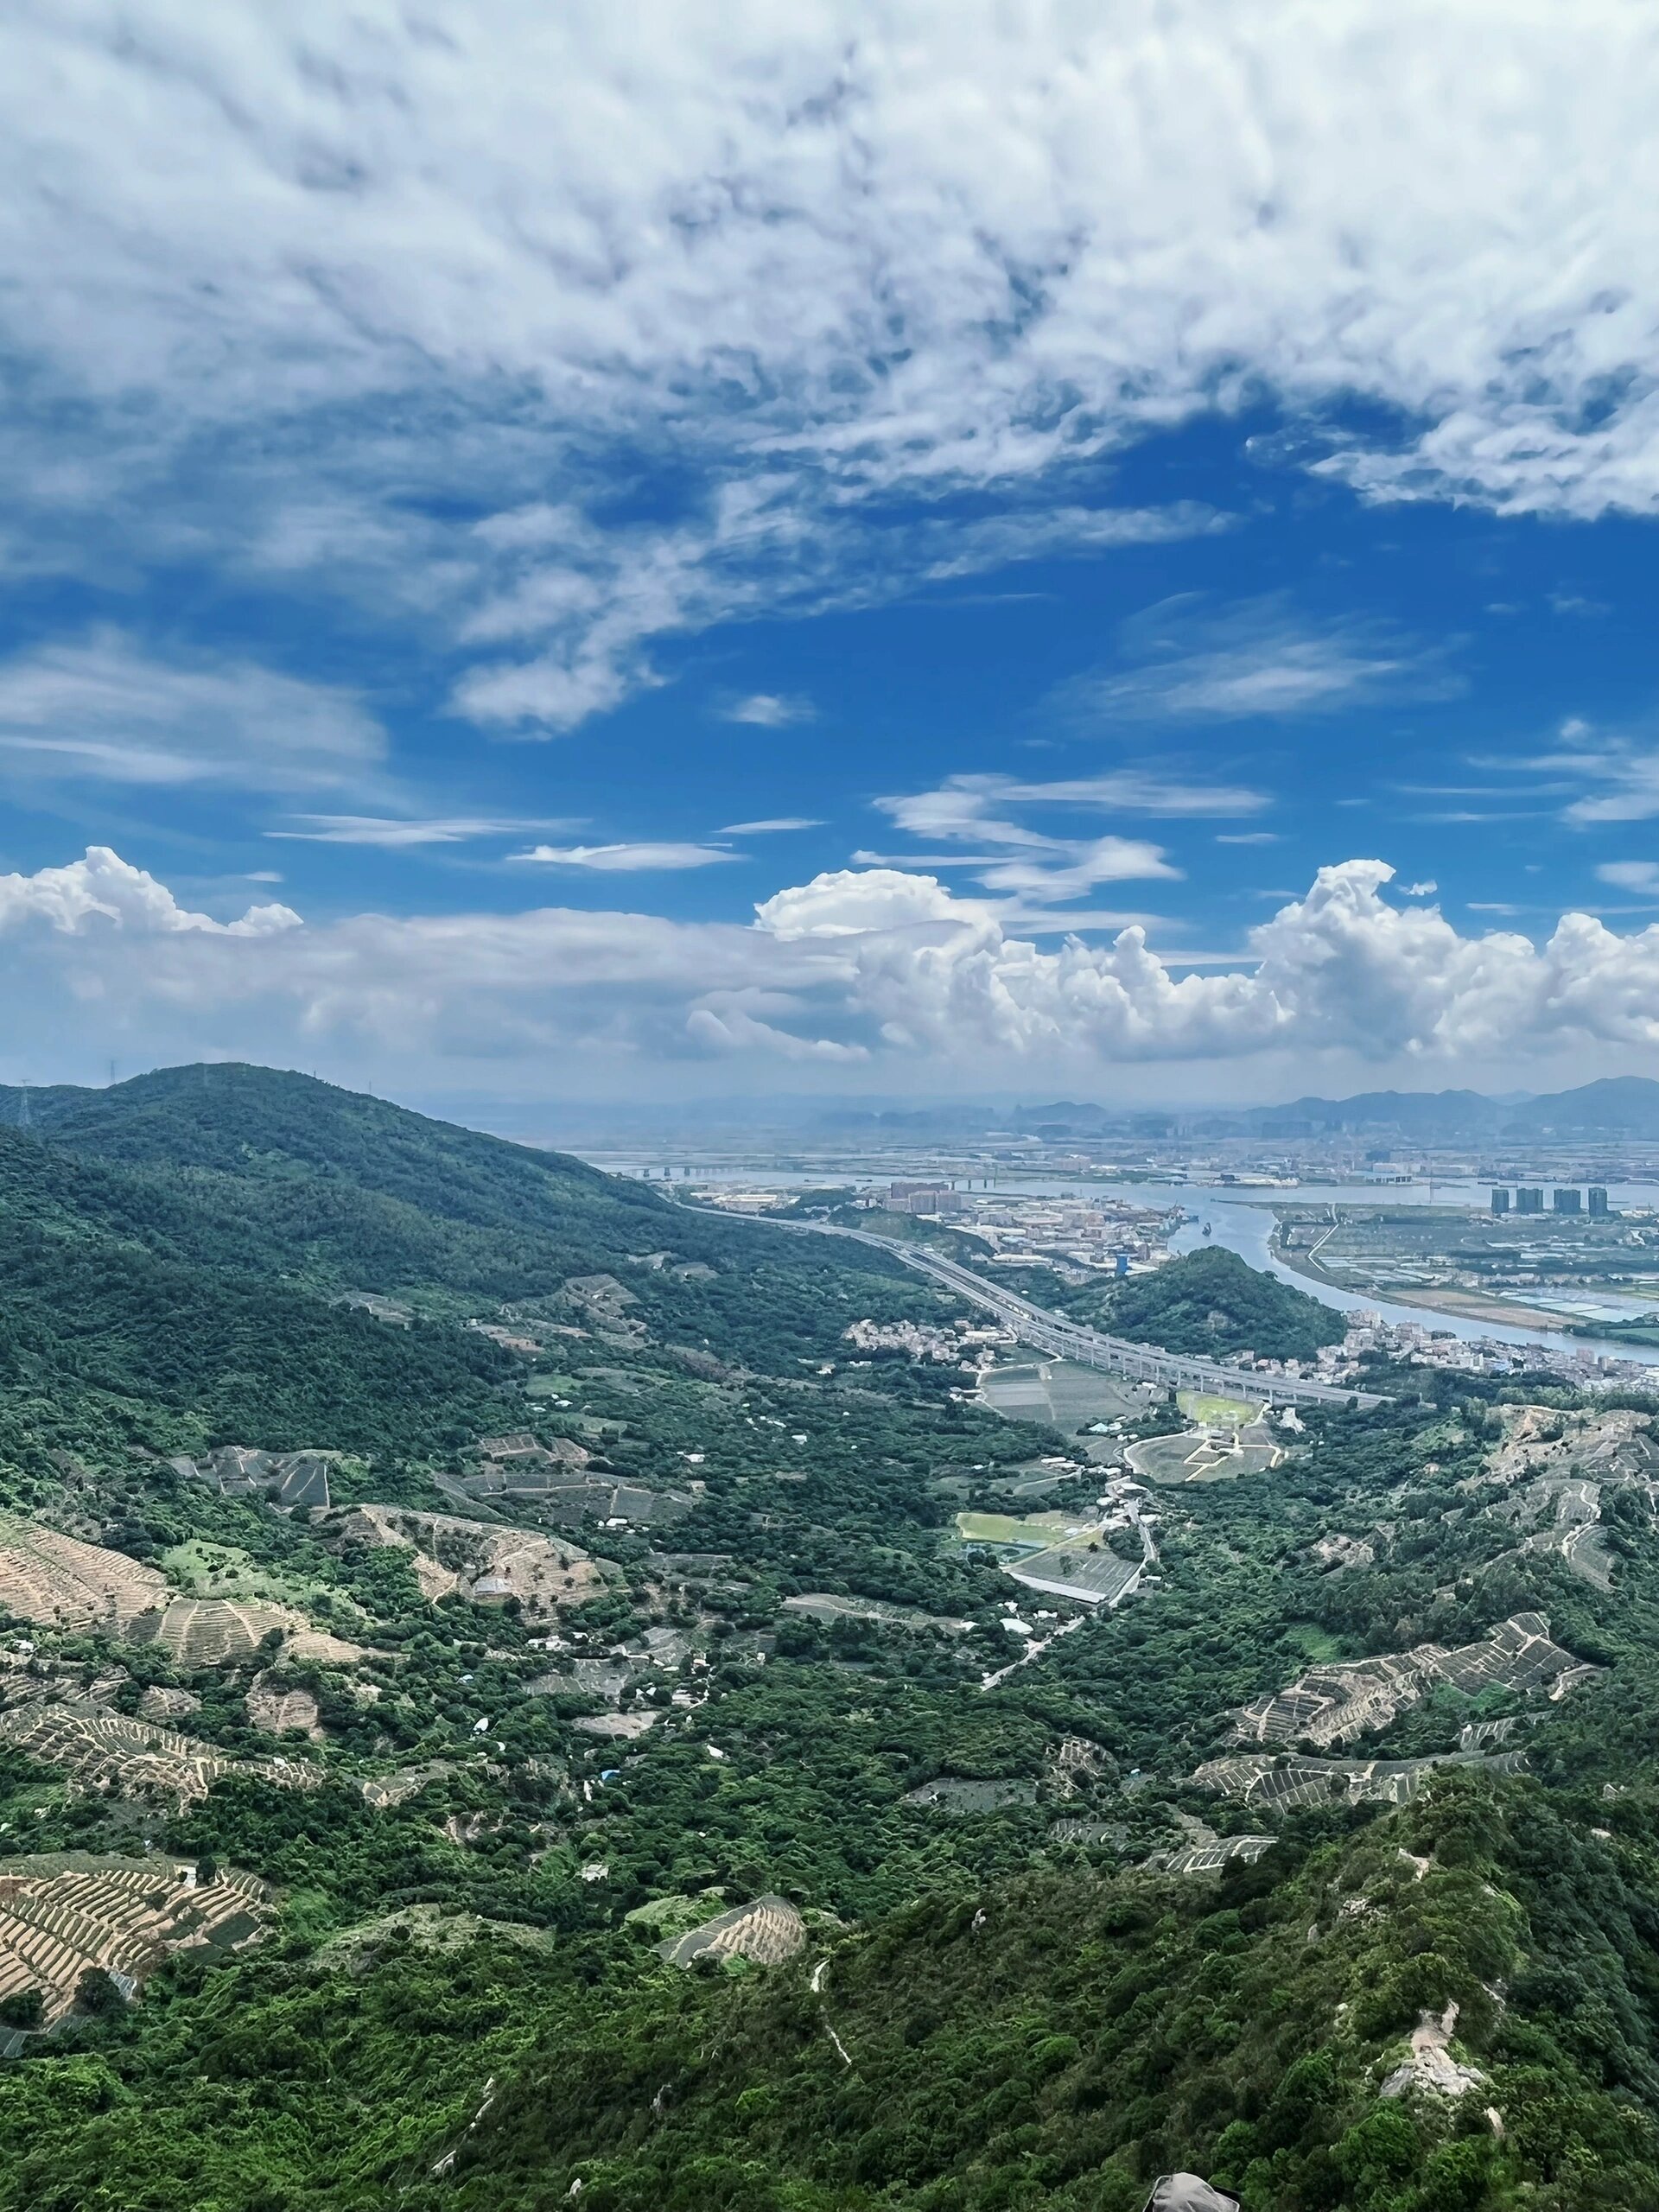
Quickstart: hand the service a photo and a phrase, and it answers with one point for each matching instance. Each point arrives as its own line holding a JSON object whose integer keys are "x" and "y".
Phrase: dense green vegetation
{"x": 1018, "y": 2011}
{"x": 1212, "y": 1303}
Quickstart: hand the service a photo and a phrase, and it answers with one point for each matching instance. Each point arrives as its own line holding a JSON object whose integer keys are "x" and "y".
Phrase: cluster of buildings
{"x": 1421, "y": 1345}
{"x": 1528, "y": 1198}
{"x": 1089, "y": 1231}
{"x": 961, "y": 1343}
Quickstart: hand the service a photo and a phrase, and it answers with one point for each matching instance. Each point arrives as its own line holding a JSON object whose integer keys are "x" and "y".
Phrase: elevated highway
{"x": 1063, "y": 1339}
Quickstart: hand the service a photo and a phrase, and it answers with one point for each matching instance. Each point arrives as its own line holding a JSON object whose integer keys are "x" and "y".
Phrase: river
{"x": 1241, "y": 1217}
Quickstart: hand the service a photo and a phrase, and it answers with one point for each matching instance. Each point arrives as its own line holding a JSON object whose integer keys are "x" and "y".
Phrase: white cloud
{"x": 627, "y": 859}
{"x": 769, "y": 710}
{"x": 294, "y": 285}
{"x": 859, "y": 902}
{"x": 772, "y": 825}
{"x": 1630, "y": 875}
{"x": 596, "y": 599}
{"x": 103, "y": 888}
{"x": 396, "y": 833}
{"x": 875, "y": 965}
{"x": 1032, "y": 867}
{"x": 104, "y": 709}
{"x": 1257, "y": 658}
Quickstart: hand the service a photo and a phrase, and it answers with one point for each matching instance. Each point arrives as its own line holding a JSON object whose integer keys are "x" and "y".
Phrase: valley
{"x": 709, "y": 1686}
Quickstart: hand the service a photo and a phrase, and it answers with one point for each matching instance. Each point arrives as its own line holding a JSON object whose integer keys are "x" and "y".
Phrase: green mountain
{"x": 1196, "y": 1884}
{"x": 1212, "y": 1303}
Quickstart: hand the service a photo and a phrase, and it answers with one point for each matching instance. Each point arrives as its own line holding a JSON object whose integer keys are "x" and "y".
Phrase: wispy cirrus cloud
{"x": 102, "y": 708}
{"x": 1185, "y": 661}
{"x": 394, "y": 833}
{"x": 1014, "y": 859}
{"x": 629, "y": 859}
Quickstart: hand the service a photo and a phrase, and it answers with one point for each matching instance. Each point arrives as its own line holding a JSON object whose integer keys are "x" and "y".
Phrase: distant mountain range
{"x": 1617, "y": 1106}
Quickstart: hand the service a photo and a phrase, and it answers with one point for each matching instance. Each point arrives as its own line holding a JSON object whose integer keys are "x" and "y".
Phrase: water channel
{"x": 1241, "y": 1217}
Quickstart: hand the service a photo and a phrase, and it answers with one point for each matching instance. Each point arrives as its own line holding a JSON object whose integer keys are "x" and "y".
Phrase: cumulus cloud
{"x": 102, "y": 709}
{"x": 876, "y": 965}
{"x": 313, "y": 285}
{"x": 103, "y": 888}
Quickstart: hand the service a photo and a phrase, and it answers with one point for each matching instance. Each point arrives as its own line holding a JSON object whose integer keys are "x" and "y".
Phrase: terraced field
{"x": 1333, "y": 1704}
{"x": 1210, "y": 1858}
{"x": 1280, "y": 1783}
{"x": 105, "y": 1751}
{"x": 239, "y": 1470}
{"x": 277, "y": 1710}
{"x": 767, "y": 1931}
{"x": 63, "y": 1913}
{"x": 471, "y": 1558}
{"x": 57, "y": 1581}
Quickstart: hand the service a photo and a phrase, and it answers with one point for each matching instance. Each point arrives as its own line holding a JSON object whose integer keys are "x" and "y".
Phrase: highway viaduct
{"x": 1063, "y": 1339}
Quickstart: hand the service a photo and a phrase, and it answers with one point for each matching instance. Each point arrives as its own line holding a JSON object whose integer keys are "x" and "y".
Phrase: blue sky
{"x": 890, "y": 549}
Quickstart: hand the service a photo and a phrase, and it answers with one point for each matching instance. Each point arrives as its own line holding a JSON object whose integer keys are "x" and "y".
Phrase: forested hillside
{"x": 636, "y": 1605}
{"x": 1209, "y": 1302}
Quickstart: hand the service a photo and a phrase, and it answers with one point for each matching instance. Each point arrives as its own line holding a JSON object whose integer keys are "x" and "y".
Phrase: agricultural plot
{"x": 381, "y": 1791}
{"x": 1218, "y": 1413}
{"x": 1562, "y": 1466}
{"x": 203, "y": 1632}
{"x": 1334, "y": 1704}
{"x": 63, "y": 1913}
{"x": 277, "y": 1710}
{"x": 1205, "y": 1455}
{"x": 477, "y": 1559}
{"x": 1088, "y": 1573}
{"x": 1209, "y": 1857}
{"x": 287, "y": 1479}
{"x": 952, "y": 1794}
{"x": 57, "y": 1581}
{"x": 1093, "y": 1835}
{"x": 1066, "y": 1396}
{"x": 599, "y": 1499}
{"x": 160, "y": 1703}
{"x": 1005, "y": 1532}
{"x": 1279, "y": 1784}
{"x": 198, "y": 1631}
{"x": 623, "y": 1727}
{"x": 105, "y": 1751}
{"x": 767, "y": 1932}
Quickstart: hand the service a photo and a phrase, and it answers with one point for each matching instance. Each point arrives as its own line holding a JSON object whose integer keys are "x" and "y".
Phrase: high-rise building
{"x": 1528, "y": 1198}
{"x": 1500, "y": 1202}
{"x": 1568, "y": 1201}
{"x": 1598, "y": 1201}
